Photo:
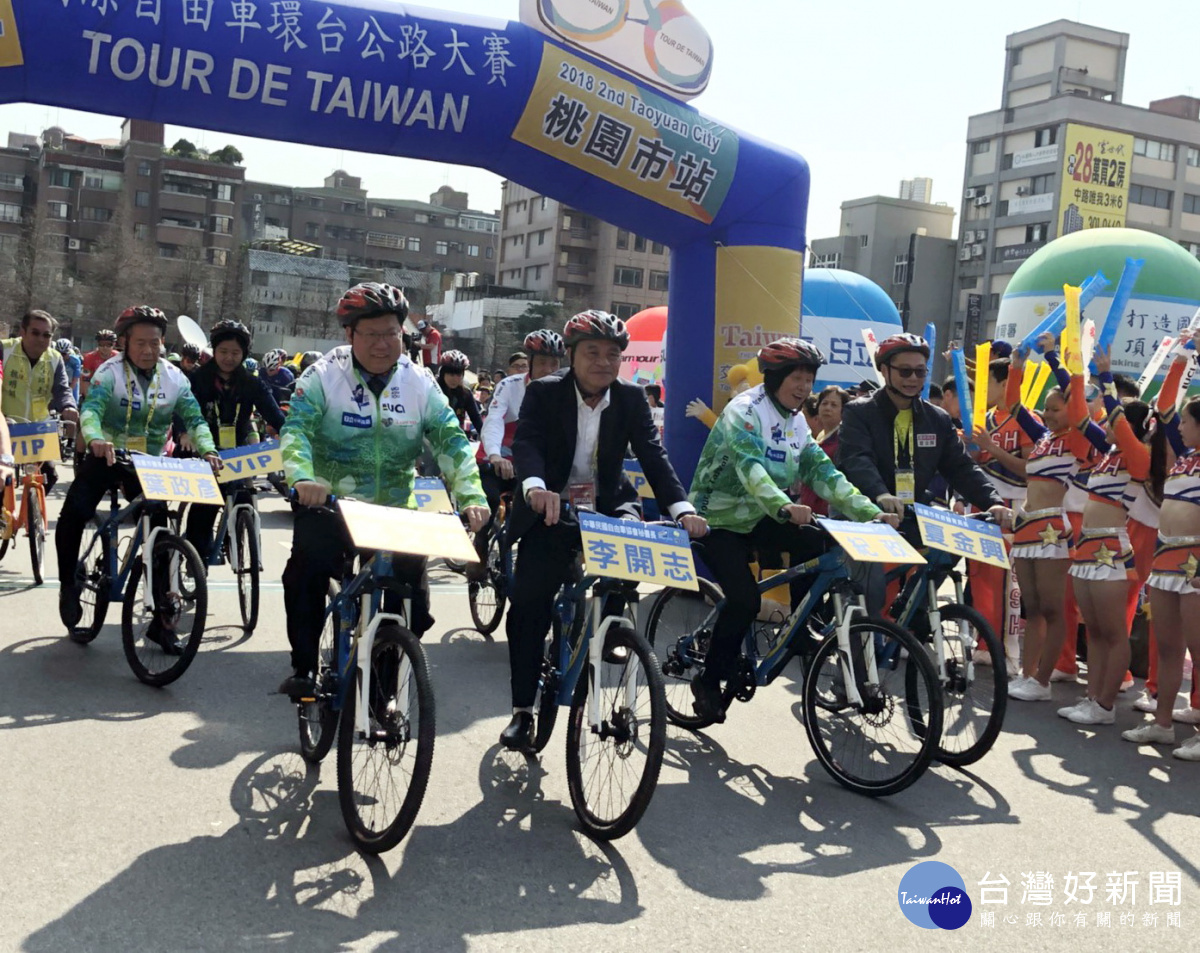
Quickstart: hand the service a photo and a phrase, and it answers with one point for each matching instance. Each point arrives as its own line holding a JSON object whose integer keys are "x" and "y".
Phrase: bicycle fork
{"x": 150, "y": 535}
{"x": 362, "y": 711}
{"x": 600, "y": 627}
{"x": 235, "y": 557}
{"x": 845, "y": 612}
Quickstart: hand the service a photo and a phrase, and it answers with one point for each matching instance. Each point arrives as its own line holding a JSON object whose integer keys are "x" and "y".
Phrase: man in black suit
{"x": 570, "y": 447}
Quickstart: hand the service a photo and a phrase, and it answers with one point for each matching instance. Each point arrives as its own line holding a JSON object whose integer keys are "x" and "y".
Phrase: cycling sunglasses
{"x": 906, "y": 372}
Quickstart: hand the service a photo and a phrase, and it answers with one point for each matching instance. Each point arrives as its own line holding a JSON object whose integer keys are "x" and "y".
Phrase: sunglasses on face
{"x": 906, "y": 372}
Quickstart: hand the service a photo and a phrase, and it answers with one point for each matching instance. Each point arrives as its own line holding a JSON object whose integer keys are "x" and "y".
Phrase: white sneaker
{"x": 1079, "y": 703}
{"x": 1186, "y": 716}
{"x": 982, "y": 657}
{"x": 1146, "y": 702}
{"x": 1126, "y": 684}
{"x": 1012, "y": 668}
{"x": 1151, "y": 733}
{"x": 1093, "y": 713}
{"x": 1189, "y": 750}
{"x": 1058, "y": 675}
{"x": 1029, "y": 690}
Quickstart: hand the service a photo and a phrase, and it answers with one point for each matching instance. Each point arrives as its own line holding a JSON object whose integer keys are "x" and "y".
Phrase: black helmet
{"x": 224, "y": 331}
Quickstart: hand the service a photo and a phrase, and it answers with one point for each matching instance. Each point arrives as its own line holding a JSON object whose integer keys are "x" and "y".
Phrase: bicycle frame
{"x": 229, "y": 515}
{"x": 924, "y": 583}
{"x": 361, "y": 598}
{"x": 32, "y": 483}
{"x": 142, "y": 544}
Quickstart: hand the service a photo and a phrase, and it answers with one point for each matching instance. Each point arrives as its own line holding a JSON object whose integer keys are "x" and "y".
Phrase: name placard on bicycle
{"x": 871, "y": 542}
{"x": 639, "y": 552}
{"x": 637, "y": 476}
{"x": 962, "y": 536}
{"x": 176, "y": 481}
{"x": 36, "y": 442}
{"x": 431, "y": 496}
{"x": 254, "y": 460}
{"x": 397, "y": 530}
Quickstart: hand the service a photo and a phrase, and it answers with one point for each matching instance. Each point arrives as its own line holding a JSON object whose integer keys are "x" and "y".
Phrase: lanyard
{"x": 152, "y": 397}
{"x": 908, "y": 442}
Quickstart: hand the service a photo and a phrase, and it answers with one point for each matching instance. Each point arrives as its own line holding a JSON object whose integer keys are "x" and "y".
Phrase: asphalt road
{"x": 136, "y": 819}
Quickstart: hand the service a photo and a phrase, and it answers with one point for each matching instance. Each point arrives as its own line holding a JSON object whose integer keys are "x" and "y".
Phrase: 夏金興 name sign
{"x": 431, "y": 496}
{"x": 257, "y": 459}
{"x": 640, "y": 552}
{"x": 871, "y": 542}
{"x": 35, "y": 442}
{"x": 961, "y": 535}
{"x": 176, "y": 481}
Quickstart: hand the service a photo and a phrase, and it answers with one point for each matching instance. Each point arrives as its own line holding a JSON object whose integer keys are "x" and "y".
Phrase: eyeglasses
{"x": 906, "y": 372}
{"x": 379, "y": 337}
{"x": 39, "y": 334}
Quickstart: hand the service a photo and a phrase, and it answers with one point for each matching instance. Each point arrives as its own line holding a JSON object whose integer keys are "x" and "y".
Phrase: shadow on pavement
{"x": 286, "y": 877}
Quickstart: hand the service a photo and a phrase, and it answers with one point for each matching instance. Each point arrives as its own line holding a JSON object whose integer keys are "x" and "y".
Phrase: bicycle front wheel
{"x": 318, "y": 719}
{"x": 612, "y": 768}
{"x": 160, "y": 642}
{"x": 882, "y": 743}
{"x": 247, "y": 574}
{"x": 382, "y": 773}
{"x": 488, "y": 595}
{"x": 35, "y": 528}
{"x": 975, "y": 697}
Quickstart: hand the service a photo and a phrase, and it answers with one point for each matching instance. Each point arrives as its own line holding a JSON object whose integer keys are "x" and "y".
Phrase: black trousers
{"x": 320, "y": 549}
{"x": 93, "y": 479}
{"x": 728, "y": 555}
{"x": 493, "y": 486}
{"x": 545, "y": 562}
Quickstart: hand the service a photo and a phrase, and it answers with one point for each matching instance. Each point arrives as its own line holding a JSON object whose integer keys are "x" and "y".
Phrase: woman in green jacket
{"x": 758, "y": 448}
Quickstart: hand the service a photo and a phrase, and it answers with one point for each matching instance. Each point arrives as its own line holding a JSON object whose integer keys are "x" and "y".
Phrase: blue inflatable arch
{"x": 397, "y": 80}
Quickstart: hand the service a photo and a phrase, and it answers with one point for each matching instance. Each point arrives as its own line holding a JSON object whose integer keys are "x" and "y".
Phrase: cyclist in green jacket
{"x": 759, "y": 447}
{"x": 358, "y": 421}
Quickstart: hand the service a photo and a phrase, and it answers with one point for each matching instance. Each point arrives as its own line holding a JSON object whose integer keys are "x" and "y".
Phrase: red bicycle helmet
{"x": 546, "y": 342}
{"x": 596, "y": 326}
{"x": 889, "y": 347}
{"x": 142, "y": 314}
{"x": 370, "y": 299}
{"x": 787, "y": 354}
{"x": 454, "y": 362}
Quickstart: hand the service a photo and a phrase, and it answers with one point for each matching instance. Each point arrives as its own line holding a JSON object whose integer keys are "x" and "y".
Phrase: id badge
{"x": 906, "y": 487}
{"x": 136, "y": 444}
{"x": 228, "y": 437}
{"x": 582, "y": 496}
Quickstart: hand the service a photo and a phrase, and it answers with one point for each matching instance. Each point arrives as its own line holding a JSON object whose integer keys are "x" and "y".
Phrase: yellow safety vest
{"x": 27, "y": 388}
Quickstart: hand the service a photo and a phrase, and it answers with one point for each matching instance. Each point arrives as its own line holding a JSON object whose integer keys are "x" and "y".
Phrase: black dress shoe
{"x": 69, "y": 609}
{"x": 707, "y": 700}
{"x": 298, "y": 686}
{"x": 518, "y": 736}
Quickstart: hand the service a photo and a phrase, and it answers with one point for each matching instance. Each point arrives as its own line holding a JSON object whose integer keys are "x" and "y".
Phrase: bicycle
{"x": 870, "y": 690}
{"x": 975, "y": 707}
{"x": 488, "y": 594}
{"x": 30, "y": 514}
{"x": 612, "y": 705}
{"x": 371, "y": 672}
{"x": 160, "y": 579}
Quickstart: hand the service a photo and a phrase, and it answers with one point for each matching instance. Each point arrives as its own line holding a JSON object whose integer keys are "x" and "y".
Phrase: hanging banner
{"x": 649, "y": 145}
{"x": 1095, "y": 179}
{"x": 657, "y": 40}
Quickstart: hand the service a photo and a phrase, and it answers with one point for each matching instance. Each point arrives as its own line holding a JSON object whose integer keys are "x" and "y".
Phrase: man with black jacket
{"x": 569, "y": 447}
{"x": 894, "y": 445}
{"x": 228, "y": 395}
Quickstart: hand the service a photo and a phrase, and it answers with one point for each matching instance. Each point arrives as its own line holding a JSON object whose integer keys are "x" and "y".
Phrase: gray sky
{"x": 869, "y": 92}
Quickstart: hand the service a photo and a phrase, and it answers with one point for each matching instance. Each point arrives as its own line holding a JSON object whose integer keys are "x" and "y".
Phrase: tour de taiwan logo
{"x": 934, "y": 897}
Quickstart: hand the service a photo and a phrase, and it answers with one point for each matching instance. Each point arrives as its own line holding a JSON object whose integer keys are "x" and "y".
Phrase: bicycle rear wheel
{"x": 248, "y": 572}
{"x": 883, "y": 744}
{"x": 612, "y": 770}
{"x": 318, "y": 719}
{"x": 35, "y": 528}
{"x": 677, "y": 613}
{"x": 974, "y": 703}
{"x": 488, "y": 595}
{"x": 382, "y": 776}
{"x": 545, "y": 712}
{"x": 91, "y": 579}
{"x": 161, "y": 643}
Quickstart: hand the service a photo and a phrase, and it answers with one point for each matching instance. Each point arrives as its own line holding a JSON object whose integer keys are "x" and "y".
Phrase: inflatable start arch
{"x": 387, "y": 78}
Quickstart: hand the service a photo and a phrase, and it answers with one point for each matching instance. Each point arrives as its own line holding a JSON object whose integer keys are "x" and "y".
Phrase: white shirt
{"x": 587, "y": 440}
{"x": 505, "y": 409}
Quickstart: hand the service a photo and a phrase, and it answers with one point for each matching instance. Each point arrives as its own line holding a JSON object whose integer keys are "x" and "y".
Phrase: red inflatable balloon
{"x": 642, "y": 362}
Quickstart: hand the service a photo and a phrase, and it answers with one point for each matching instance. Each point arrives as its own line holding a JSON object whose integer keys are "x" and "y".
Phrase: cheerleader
{"x": 1041, "y": 535}
{"x": 1127, "y": 481}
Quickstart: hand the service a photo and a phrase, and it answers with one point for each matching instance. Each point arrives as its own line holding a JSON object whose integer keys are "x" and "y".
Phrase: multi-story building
{"x": 917, "y": 190}
{"x": 1064, "y": 152}
{"x": 86, "y": 226}
{"x": 575, "y": 258}
{"x": 907, "y": 248}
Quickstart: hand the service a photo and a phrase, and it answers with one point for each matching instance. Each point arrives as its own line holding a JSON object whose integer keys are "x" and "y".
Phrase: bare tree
{"x": 120, "y": 272}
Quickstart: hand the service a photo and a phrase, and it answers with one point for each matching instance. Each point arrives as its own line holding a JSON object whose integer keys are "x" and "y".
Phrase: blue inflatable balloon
{"x": 837, "y": 305}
